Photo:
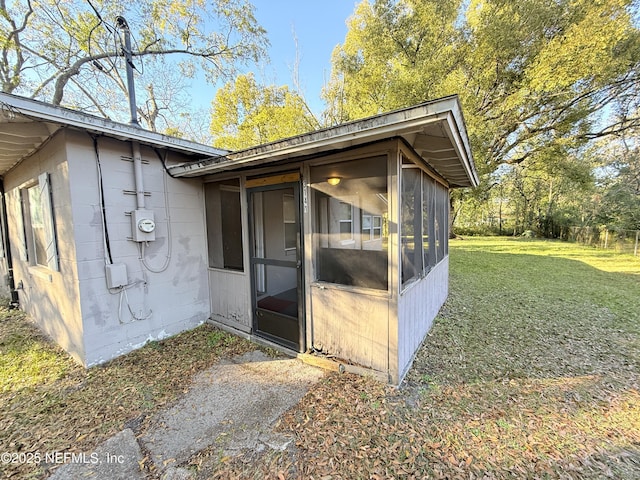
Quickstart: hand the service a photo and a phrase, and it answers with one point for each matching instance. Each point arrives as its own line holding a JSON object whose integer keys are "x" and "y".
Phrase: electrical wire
{"x": 118, "y": 46}
{"x": 163, "y": 161}
{"x": 122, "y": 292}
{"x": 108, "y": 259}
{"x": 123, "y": 295}
{"x": 143, "y": 245}
{"x": 111, "y": 31}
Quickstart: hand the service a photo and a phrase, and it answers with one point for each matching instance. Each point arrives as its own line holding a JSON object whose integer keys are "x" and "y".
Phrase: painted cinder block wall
{"x": 93, "y": 323}
{"x": 51, "y": 298}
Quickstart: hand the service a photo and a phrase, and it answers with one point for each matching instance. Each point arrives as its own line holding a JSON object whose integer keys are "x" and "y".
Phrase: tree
{"x": 542, "y": 194}
{"x": 395, "y": 54}
{"x": 245, "y": 113}
{"x": 71, "y": 52}
{"x": 618, "y": 201}
{"x": 534, "y": 76}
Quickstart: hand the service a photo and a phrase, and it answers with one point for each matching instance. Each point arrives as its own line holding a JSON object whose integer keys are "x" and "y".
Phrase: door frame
{"x": 279, "y": 182}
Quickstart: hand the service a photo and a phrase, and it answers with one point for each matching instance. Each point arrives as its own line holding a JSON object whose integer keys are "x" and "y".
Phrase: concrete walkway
{"x": 232, "y": 406}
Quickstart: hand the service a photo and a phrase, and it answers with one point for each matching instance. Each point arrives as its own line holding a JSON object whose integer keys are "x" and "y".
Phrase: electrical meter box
{"x": 143, "y": 226}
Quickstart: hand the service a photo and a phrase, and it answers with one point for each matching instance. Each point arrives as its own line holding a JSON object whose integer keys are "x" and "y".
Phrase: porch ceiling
{"x": 20, "y": 137}
{"x": 435, "y": 130}
{"x": 25, "y": 125}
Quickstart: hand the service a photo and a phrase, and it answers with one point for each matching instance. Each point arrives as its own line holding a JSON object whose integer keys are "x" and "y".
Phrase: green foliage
{"x": 545, "y": 194}
{"x": 532, "y": 75}
{"x": 617, "y": 203}
{"x": 538, "y": 80}
{"x": 395, "y": 54}
{"x": 246, "y": 114}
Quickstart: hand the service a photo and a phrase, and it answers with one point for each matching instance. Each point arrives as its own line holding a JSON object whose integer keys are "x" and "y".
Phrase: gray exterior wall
{"x": 163, "y": 303}
{"x": 52, "y": 299}
{"x": 74, "y": 306}
{"x": 352, "y": 324}
{"x": 418, "y": 306}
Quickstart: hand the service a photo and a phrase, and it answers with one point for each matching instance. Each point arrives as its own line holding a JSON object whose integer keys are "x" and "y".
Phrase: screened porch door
{"x": 276, "y": 264}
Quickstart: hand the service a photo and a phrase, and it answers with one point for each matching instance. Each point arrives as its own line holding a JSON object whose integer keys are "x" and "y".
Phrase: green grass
{"x": 532, "y": 309}
{"x": 531, "y": 371}
{"x": 538, "y": 351}
{"x": 25, "y": 358}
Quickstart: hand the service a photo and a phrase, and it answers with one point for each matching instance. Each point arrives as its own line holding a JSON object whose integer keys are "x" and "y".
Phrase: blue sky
{"x": 318, "y": 26}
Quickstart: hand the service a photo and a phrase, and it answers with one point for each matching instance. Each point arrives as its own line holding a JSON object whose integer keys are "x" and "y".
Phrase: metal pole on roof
{"x": 122, "y": 24}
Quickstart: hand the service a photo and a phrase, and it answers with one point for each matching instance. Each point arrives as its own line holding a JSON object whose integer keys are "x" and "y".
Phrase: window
{"x": 39, "y": 245}
{"x": 345, "y": 216}
{"x": 411, "y": 223}
{"x": 442, "y": 219}
{"x": 424, "y": 222}
{"x": 36, "y": 217}
{"x": 349, "y": 227}
{"x": 371, "y": 227}
{"x": 3, "y": 217}
{"x": 224, "y": 224}
{"x": 428, "y": 226}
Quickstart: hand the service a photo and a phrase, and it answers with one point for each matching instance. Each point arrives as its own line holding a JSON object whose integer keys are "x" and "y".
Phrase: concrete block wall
{"x": 52, "y": 299}
{"x": 154, "y": 305}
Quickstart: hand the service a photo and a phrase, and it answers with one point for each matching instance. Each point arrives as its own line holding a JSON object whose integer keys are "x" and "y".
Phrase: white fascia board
{"x": 283, "y": 150}
{"x": 460, "y": 141}
{"x": 40, "y": 111}
{"x": 358, "y": 132}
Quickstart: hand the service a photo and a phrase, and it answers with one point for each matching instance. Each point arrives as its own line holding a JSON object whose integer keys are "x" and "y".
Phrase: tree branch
{"x": 11, "y": 76}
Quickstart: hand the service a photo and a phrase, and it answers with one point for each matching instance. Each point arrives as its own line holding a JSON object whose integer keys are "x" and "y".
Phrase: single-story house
{"x": 333, "y": 243}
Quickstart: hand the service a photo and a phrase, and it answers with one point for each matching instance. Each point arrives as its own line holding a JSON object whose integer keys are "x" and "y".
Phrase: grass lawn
{"x": 532, "y": 370}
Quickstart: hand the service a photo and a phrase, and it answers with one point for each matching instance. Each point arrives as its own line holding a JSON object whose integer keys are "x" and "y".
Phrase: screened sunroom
{"x": 334, "y": 244}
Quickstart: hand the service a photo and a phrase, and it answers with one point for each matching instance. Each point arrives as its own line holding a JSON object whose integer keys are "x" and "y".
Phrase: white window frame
{"x": 27, "y": 245}
{"x": 374, "y": 231}
{"x": 347, "y": 221}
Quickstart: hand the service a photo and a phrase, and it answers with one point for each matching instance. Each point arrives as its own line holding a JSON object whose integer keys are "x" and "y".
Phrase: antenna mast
{"x": 122, "y": 24}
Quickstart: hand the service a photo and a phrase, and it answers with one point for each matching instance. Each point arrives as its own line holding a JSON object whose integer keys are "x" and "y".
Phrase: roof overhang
{"x": 26, "y": 124}
{"x": 435, "y": 130}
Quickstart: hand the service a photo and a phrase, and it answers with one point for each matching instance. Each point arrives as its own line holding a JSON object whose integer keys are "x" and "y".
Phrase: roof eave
{"x": 379, "y": 127}
{"x": 43, "y": 112}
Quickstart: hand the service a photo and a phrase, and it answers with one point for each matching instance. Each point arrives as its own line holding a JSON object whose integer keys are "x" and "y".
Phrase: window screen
{"x": 411, "y": 224}
{"x": 350, "y": 228}
{"x": 224, "y": 224}
{"x": 424, "y": 226}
